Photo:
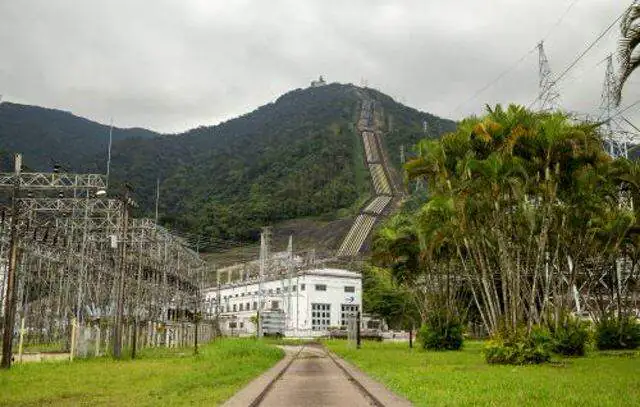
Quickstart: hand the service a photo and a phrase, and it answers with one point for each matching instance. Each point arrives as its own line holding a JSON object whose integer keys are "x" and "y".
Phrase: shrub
{"x": 520, "y": 348}
{"x": 570, "y": 338}
{"x": 614, "y": 333}
{"x": 441, "y": 333}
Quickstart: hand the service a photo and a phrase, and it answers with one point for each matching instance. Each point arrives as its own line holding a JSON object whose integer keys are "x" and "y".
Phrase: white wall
{"x": 299, "y": 320}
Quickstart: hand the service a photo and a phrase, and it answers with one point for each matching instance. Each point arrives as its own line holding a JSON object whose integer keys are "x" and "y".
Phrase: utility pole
{"x": 134, "y": 339}
{"x": 264, "y": 264}
{"x": 260, "y": 278}
{"x": 197, "y": 307}
{"x": 358, "y": 339}
{"x": 117, "y": 337}
{"x": 10, "y": 298}
{"x": 109, "y": 153}
{"x": 290, "y": 288}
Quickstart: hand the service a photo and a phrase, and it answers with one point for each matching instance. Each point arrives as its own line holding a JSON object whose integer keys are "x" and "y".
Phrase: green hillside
{"x": 48, "y": 136}
{"x": 299, "y": 157}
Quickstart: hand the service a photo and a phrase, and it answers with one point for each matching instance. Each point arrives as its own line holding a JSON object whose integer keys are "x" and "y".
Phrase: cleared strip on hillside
{"x": 380, "y": 180}
{"x": 377, "y": 205}
{"x": 357, "y": 235}
{"x": 370, "y": 147}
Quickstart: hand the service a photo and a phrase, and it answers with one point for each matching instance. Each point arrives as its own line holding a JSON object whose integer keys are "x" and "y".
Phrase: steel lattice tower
{"x": 614, "y": 136}
{"x": 548, "y": 96}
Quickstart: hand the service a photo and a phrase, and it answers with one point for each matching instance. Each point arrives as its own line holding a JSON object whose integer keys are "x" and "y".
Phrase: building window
{"x": 293, "y": 287}
{"x": 255, "y": 305}
{"x": 235, "y": 308}
{"x": 302, "y": 287}
{"x": 228, "y": 309}
{"x": 277, "y": 290}
{"x": 232, "y": 325}
{"x": 241, "y": 324}
{"x": 248, "y": 306}
{"x": 321, "y": 316}
{"x": 348, "y": 311}
{"x": 349, "y": 289}
{"x": 321, "y": 287}
{"x": 275, "y": 304}
{"x": 241, "y": 307}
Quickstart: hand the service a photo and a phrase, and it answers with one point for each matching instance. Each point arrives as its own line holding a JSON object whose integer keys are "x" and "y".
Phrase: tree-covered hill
{"x": 48, "y": 136}
{"x": 297, "y": 157}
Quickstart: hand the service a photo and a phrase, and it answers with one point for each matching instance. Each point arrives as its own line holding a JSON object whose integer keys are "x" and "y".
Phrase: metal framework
{"x": 48, "y": 181}
{"x": 616, "y": 138}
{"x": 74, "y": 254}
{"x": 548, "y": 96}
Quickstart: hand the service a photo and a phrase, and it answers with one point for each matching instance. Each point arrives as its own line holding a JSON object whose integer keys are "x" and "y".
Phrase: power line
{"x": 619, "y": 112}
{"x": 582, "y": 54}
{"x": 593, "y": 44}
{"x": 519, "y": 61}
{"x": 496, "y": 80}
{"x": 560, "y": 20}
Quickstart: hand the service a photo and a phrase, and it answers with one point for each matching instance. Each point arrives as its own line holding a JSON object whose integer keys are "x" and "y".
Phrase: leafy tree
{"x": 524, "y": 212}
{"x": 389, "y": 300}
{"x": 630, "y": 38}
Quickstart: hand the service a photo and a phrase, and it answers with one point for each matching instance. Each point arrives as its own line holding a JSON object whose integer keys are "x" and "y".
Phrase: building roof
{"x": 321, "y": 272}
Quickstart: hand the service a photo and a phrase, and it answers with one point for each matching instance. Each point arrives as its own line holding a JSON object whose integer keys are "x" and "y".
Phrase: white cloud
{"x": 172, "y": 65}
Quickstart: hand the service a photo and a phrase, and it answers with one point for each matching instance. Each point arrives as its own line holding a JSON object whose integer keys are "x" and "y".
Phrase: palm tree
{"x": 627, "y": 53}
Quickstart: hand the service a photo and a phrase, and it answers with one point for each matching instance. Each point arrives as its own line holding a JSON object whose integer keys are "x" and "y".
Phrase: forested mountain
{"x": 45, "y": 136}
{"x": 297, "y": 157}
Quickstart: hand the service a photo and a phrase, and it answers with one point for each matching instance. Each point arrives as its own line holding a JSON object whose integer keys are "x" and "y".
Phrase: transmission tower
{"x": 548, "y": 96}
{"x": 615, "y": 137}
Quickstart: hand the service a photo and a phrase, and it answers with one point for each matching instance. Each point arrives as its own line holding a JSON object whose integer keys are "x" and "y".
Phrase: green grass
{"x": 160, "y": 376}
{"x": 464, "y": 379}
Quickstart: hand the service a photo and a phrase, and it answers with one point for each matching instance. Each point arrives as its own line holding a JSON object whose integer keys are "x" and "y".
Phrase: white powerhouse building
{"x": 305, "y": 304}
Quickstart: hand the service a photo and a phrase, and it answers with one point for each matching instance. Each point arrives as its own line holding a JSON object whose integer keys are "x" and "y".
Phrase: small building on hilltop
{"x": 320, "y": 82}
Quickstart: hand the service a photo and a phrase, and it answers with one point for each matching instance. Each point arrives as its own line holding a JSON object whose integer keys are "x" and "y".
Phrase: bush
{"x": 441, "y": 333}
{"x": 614, "y": 333}
{"x": 520, "y": 348}
{"x": 570, "y": 338}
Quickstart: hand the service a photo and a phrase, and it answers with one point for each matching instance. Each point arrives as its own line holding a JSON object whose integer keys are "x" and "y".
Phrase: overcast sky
{"x": 173, "y": 65}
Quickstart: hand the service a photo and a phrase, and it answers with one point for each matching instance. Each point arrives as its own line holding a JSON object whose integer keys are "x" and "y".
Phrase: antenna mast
{"x": 109, "y": 152}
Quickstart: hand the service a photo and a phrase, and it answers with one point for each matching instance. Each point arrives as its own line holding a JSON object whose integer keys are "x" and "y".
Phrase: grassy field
{"x": 464, "y": 379}
{"x": 158, "y": 377}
